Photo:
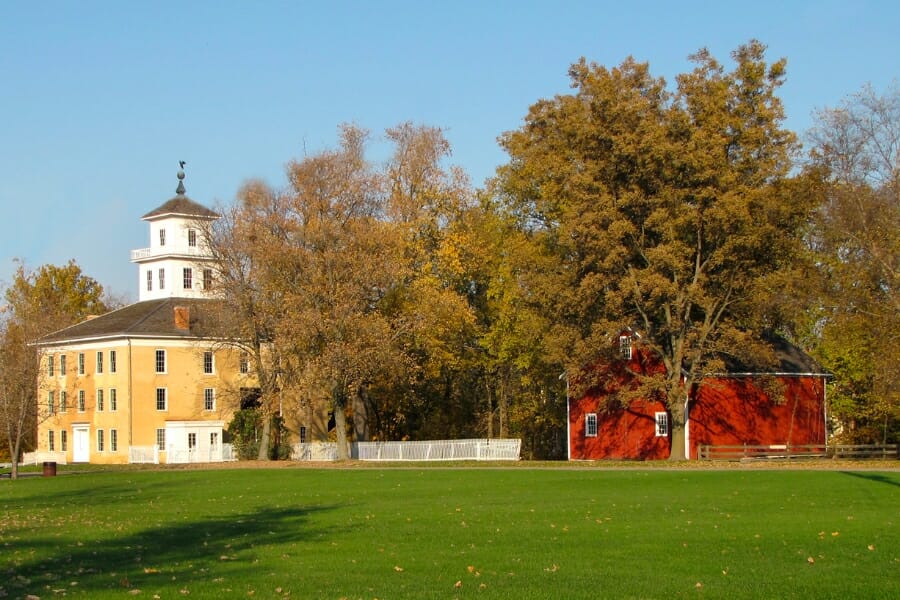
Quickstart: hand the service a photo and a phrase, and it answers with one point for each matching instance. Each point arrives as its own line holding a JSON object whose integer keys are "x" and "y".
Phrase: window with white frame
{"x": 51, "y": 403}
{"x": 62, "y": 365}
{"x": 662, "y": 424}
{"x": 214, "y": 440}
{"x": 590, "y": 425}
{"x": 63, "y": 401}
{"x": 209, "y": 399}
{"x": 192, "y": 441}
{"x": 50, "y": 368}
{"x": 303, "y": 434}
{"x": 100, "y": 362}
{"x": 63, "y": 441}
{"x": 192, "y": 238}
{"x": 625, "y": 346}
{"x": 80, "y": 400}
{"x": 162, "y": 279}
{"x": 100, "y": 440}
{"x": 161, "y": 439}
{"x": 50, "y": 442}
{"x": 162, "y": 237}
{"x": 149, "y": 280}
{"x": 244, "y": 362}
{"x": 160, "y": 361}
{"x": 187, "y": 278}
{"x": 99, "y": 400}
{"x": 113, "y": 401}
{"x": 112, "y": 361}
{"x": 207, "y": 279}
{"x": 208, "y": 362}
{"x": 113, "y": 440}
{"x": 161, "y": 399}
{"x": 81, "y": 363}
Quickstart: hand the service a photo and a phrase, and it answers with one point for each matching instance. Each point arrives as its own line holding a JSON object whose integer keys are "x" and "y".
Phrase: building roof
{"x": 791, "y": 360}
{"x": 148, "y": 319}
{"x": 181, "y": 206}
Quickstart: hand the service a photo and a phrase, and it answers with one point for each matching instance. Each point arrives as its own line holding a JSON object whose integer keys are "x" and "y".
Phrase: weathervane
{"x": 180, "y": 189}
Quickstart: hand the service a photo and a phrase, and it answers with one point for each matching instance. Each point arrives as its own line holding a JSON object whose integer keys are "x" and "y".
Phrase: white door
{"x": 81, "y": 444}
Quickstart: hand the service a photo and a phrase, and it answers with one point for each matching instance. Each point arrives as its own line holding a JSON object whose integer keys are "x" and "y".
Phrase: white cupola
{"x": 178, "y": 262}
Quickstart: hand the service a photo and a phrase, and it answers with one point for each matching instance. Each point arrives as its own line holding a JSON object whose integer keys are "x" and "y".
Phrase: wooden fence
{"x": 883, "y": 451}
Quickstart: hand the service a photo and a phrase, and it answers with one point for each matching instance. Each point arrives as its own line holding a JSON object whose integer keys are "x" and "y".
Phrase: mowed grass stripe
{"x": 452, "y": 533}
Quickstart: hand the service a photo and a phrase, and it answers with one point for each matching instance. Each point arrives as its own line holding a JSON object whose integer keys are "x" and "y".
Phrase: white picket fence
{"x": 150, "y": 454}
{"x": 143, "y": 455}
{"x": 436, "y": 450}
{"x": 36, "y": 458}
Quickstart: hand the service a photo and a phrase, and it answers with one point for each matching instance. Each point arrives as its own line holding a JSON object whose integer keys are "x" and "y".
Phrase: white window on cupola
{"x": 187, "y": 278}
{"x": 149, "y": 280}
{"x": 625, "y": 346}
{"x": 192, "y": 238}
{"x": 162, "y": 279}
{"x": 162, "y": 237}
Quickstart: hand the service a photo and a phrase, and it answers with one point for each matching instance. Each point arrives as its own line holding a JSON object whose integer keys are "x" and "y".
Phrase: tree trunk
{"x": 677, "y": 450}
{"x": 14, "y": 457}
{"x": 501, "y": 407}
{"x": 490, "y": 411}
{"x": 263, "y": 453}
{"x": 361, "y": 414}
{"x": 340, "y": 424}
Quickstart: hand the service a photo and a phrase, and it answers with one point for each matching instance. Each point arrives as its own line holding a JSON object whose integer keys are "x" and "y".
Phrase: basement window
{"x": 590, "y": 425}
{"x": 662, "y": 424}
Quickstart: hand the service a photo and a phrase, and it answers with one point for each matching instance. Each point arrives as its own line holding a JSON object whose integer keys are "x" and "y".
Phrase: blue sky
{"x": 100, "y": 100}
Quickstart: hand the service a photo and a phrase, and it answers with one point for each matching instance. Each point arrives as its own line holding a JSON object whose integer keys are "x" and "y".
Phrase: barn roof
{"x": 790, "y": 358}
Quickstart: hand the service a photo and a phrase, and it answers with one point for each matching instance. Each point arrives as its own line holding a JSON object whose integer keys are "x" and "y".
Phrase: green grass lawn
{"x": 452, "y": 533}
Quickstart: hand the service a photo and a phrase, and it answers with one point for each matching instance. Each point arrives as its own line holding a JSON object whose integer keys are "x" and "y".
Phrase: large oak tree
{"x": 661, "y": 210}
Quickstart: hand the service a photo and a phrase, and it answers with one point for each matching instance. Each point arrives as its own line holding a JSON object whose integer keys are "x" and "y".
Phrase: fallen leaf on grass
{"x": 871, "y": 546}
{"x": 458, "y": 584}
{"x": 398, "y": 568}
{"x": 810, "y": 560}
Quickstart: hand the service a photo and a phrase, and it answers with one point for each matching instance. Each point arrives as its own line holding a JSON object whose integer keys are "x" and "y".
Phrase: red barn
{"x": 783, "y": 406}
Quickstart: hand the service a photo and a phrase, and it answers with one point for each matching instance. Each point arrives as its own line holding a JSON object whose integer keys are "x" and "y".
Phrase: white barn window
{"x": 590, "y": 425}
{"x": 662, "y": 424}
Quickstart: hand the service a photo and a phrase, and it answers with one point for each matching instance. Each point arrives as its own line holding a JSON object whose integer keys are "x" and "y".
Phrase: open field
{"x": 432, "y": 532}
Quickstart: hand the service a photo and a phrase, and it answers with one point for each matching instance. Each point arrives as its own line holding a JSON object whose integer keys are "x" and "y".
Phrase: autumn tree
{"x": 248, "y": 301}
{"x": 37, "y": 303}
{"x": 428, "y": 306}
{"x": 856, "y": 247}
{"x": 660, "y": 210}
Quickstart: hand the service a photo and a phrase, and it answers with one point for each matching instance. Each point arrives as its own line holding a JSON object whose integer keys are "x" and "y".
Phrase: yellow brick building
{"x": 147, "y": 382}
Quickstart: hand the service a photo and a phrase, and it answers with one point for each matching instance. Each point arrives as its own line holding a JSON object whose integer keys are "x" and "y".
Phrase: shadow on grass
{"x": 877, "y": 477}
{"x": 215, "y": 555}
